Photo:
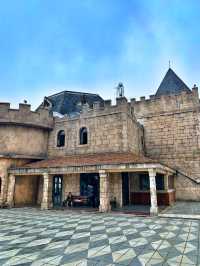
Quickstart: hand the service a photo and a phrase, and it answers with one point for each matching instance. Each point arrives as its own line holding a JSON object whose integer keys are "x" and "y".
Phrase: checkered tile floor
{"x": 34, "y": 237}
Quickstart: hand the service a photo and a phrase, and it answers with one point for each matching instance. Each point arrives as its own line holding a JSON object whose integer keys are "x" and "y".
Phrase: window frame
{"x": 60, "y": 142}
{"x": 83, "y": 130}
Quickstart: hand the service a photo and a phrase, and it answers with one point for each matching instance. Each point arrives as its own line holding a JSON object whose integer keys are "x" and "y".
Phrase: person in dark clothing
{"x": 69, "y": 200}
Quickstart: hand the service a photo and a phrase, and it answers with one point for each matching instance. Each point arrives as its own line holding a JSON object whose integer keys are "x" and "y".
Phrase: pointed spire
{"x": 171, "y": 84}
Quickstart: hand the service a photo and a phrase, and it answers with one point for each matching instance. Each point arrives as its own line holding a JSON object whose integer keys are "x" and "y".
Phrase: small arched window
{"x": 61, "y": 138}
{"x": 83, "y": 136}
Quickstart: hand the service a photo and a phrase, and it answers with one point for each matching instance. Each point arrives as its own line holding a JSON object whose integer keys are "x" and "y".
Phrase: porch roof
{"x": 91, "y": 163}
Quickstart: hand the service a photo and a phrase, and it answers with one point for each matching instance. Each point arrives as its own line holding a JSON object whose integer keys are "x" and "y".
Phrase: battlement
{"x": 144, "y": 107}
{"x": 166, "y": 103}
{"x": 98, "y": 109}
{"x": 107, "y": 107}
{"x": 24, "y": 116}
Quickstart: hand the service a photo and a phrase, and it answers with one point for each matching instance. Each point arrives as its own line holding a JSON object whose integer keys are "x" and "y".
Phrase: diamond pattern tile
{"x": 32, "y": 237}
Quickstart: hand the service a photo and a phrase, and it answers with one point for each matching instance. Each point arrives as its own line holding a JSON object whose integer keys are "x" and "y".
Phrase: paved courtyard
{"x": 34, "y": 237}
{"x": 184, "y": 207}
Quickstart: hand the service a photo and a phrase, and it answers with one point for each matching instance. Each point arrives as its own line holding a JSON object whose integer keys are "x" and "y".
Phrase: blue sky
{"x": 47, "y": 46}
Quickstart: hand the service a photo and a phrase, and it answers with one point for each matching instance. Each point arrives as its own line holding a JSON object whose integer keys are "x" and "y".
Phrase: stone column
{"x": 3, "y": 193}
{"x": 11, "y": 190}
{"x": 166, "y": 181}
{"x": 47, "y": 192}
{"x": 153, "y": 195}
{"x": 104, "y": 192}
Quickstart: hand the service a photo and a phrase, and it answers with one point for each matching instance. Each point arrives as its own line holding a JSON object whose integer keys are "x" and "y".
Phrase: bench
{"x": 80, "y": 200}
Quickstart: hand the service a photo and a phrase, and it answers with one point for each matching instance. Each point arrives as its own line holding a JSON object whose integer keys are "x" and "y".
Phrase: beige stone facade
{"x": 23, "y": 138}
{"x": 157, "y": 138}
{"x": 110, "y": 129}
{"x": 171, "y": 128}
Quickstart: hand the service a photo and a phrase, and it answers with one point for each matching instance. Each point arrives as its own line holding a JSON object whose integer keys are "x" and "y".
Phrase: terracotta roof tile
{"x": 91, "y": 159}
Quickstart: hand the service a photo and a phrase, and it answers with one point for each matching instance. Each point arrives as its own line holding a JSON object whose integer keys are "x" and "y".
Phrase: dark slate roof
{"x": 70, "y": 102}
{"x": 171, "y": 84}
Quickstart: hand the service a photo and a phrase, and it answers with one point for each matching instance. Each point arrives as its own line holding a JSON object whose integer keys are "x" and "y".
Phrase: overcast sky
{"x": 47, "y": 46}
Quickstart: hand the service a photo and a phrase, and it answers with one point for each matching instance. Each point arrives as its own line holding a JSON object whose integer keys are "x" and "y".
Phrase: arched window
{"x": 61, "y": 138}
{"x": 83, "y": 136}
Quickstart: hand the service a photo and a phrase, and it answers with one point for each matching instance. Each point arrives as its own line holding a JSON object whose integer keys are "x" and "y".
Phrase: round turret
{"x": 23, "y": 133}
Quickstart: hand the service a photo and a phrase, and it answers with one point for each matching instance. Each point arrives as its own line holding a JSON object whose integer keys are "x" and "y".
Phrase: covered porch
{"x": 117, "y": 180}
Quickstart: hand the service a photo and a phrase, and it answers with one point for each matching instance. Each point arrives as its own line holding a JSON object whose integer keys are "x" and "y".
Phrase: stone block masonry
{"x": 171, "y": 128}
{"x": 110, "y": 129}
{"x": 23, "y": 138}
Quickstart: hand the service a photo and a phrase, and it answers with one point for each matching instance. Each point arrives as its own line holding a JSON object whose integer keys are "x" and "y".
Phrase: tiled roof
{"x": 69, "y": 102}
{"x": 171, "y": 84}
{"x": 91, "y": 159}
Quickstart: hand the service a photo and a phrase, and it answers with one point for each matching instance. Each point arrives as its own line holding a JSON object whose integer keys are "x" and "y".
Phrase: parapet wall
{"x": 122, "y": 106}
{"x": 144, "y": 107}
{"x": 167, "y": 103}
{"x": 24, "y": 116}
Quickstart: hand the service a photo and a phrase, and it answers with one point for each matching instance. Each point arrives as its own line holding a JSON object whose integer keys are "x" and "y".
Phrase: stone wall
{"x": 164, "y": 104}
{"x": 110, "y": 129}
{"x": 23, "y": 133}
{"x": 172, "y": 136}
{"x": 23, "y": 138}
{"x": 26, "y": 190}
{"x": 173, "y": 140}
{"x": 135, "y": 135}
{"x": 186, "y": 189}
{"x": 71, "y": 183}
{"x": 20, "y": 141}
{"x": 116, "y": 187}
{"x": 5, "y": 163}
{"x": 24, "y": 116}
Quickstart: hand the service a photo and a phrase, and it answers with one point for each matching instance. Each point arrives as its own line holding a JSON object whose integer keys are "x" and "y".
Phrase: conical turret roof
{"x": 171, "y": 84}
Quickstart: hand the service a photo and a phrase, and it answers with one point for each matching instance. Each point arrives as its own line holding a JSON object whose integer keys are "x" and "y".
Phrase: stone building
{"x": 133, "y": 152}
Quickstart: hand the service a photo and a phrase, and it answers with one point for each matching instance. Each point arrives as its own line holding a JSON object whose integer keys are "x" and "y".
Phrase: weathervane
{"x": 169, "y": 64}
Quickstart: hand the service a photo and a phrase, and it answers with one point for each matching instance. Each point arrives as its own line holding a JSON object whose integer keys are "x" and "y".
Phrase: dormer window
{"x": 83, "y": 136}
{"x": 61, "y": 138}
